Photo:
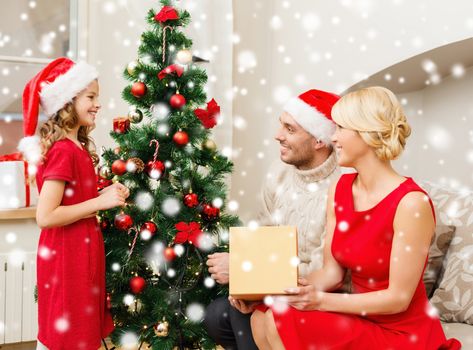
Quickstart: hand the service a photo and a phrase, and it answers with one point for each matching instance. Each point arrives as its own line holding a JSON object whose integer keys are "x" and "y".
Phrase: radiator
{"x": 18, "y": 309}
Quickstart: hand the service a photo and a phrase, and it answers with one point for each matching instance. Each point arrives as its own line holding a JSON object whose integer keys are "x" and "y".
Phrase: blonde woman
{"x": 72, "y": 310}
{"x": 379, "y": 226}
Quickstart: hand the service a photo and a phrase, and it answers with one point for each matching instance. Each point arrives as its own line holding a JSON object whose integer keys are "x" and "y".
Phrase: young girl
{"x": 379, "y": 226}
{"x": 72, "y": 310}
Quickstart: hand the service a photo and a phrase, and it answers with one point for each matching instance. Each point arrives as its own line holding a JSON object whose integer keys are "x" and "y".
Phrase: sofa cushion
{"x": 454, "y": 296}
{"x": 438, "y": 248}
{"x": 461, "y": 331}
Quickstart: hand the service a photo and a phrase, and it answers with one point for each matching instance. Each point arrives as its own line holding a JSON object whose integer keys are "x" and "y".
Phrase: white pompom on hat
{"x": 52, "y": 88}
{"x": 312, "y": 110}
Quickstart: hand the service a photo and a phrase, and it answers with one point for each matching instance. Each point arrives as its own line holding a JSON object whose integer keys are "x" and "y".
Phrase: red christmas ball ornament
{"x": 169, "y": 254}
{"x": 119, "y": 167}
{"x": 104, "y": 224}
{"x": 150, "y": 227}
{"x": 137, "y": 284}
{"x": 138, "y": 89}
{"x": 109, "y": 301}
{"x": 191, "y": 200}
{"x": 209, "y": 212}
{"x": 177, "y": 101}
{"x": 155, "y": 169}
{"x": 123, "y": 221}
{"x": 181, "y": 138}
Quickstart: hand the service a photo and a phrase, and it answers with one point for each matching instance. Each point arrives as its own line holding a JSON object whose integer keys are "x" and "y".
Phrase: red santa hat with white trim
{"x": 52, "y": 88}
{"x": 312, "y": 110}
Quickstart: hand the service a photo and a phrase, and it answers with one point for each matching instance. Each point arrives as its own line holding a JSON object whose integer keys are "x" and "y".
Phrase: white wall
{"x": 440, "y": 148}
{"x": 320, "y": 44}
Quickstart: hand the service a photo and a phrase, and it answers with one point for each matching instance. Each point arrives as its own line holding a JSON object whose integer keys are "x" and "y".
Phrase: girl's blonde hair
{"x": 378, "y": 117}
{"x": 57, "y": 127}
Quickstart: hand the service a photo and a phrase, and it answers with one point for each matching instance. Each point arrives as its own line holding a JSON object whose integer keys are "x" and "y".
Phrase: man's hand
{"x": 245, "y": 307}
{"x": 218, "y": 267}
{"x": 303, "y": 297}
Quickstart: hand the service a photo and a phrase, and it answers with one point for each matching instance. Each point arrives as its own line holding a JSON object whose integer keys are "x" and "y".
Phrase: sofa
{"x": 449, "y": 273}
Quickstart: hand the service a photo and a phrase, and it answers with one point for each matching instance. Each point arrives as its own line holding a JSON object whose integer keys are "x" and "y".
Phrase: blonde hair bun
{"x": 377, "y": 115}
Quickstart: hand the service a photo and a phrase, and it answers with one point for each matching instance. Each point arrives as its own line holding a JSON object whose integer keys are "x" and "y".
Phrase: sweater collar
{"x": 324, "y": 170}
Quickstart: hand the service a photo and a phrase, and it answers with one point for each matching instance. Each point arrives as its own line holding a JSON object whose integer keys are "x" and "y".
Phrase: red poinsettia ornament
{"x": 188, "y": 233}
{"x": 167, "y": 13}
{"x": 173, "y": 68}
{"x": 208, "y": 117}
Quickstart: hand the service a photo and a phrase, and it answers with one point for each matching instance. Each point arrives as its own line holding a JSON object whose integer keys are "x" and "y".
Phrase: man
{"x": 295, "y": 193}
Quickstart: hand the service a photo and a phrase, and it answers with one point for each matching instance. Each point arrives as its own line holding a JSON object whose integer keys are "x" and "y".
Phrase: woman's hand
{"x": 303, "y": 297}
{"x": 245, "y": 307}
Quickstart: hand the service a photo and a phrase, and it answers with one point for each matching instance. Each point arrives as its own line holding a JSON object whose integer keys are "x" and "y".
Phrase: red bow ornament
{"x": 208, "y": 117}
{"x": 173, "y": 68}
{"x": 188, "y": 233}
{"x": 167, "y": 13}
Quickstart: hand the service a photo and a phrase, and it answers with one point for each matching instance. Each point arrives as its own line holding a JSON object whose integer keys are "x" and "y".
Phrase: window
{"x": 32, "y": 33}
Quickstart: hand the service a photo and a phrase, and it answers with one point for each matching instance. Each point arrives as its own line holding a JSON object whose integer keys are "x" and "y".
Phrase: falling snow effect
{"x": 171, "y": 206}
{"x": 195, "y": 312}
{"x": 144, "y": 201}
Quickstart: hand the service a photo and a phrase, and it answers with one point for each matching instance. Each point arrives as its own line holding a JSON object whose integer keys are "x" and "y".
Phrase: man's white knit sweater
{"x": 299, "y": 198}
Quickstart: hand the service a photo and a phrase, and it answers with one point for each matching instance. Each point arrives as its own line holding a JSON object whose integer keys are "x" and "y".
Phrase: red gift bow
{"x": 19, "y": 157}
{"x": 208, "y": 117}
{"x": 166, "y": 13}
{"x": 173, "y": 68}
{"x": 188, "y": 233}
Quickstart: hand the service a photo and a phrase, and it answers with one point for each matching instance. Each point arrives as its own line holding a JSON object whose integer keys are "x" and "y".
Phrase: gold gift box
{"x": 263, "y": 261}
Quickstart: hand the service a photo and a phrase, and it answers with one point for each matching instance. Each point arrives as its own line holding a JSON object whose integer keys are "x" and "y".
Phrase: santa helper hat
{"x": 53, "y": 87}
{"x": 312, "y": 110}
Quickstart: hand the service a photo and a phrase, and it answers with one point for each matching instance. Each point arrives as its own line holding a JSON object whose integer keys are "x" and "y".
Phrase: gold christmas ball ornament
{"x": 131, "y": 68}
{"x": 184, "y": 57}
{"x": 135, "y": 116}
{"x": 161, "y": 329}
{"x": 105, "y": 172}
{"x": 209, "y": 145}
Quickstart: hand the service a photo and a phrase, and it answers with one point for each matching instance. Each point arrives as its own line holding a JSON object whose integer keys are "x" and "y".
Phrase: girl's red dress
{"x": 72, "y": 309}
{"x": 362, "y": 243}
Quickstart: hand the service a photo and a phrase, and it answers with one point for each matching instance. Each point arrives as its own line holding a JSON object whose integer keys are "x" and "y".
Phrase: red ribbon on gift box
{"x": 19, "y": 157}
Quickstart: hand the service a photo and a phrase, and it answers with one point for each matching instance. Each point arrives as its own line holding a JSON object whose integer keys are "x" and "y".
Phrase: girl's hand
{"x": 245, "y": 307}
{"x": 122, "y": 188}
{"x": 113, "y": 197}
{"x": 304, "y": 297}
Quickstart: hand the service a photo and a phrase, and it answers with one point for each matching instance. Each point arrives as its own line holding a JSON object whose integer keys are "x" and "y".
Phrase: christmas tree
{"x": 156, "y": 246}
